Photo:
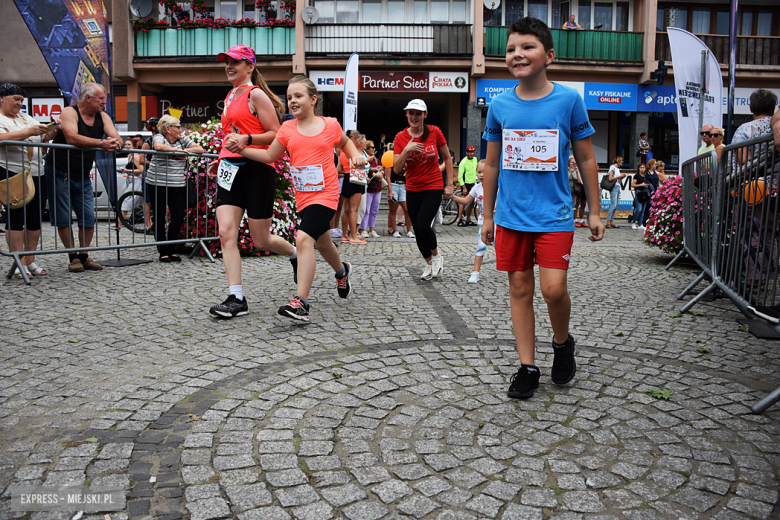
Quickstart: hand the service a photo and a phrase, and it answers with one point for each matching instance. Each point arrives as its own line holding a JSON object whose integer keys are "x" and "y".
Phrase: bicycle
{"x": 449, "y": 211}
{"x": 131, "y": 211}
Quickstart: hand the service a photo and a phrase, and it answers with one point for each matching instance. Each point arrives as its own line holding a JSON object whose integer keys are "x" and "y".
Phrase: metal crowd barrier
{"x": 731, "y": 228}
{"x": 699, "y": 202}
{"x": 111, "y": 191}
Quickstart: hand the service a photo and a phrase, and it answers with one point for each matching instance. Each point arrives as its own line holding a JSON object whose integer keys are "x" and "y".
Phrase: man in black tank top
{"x": 67, "y": 171}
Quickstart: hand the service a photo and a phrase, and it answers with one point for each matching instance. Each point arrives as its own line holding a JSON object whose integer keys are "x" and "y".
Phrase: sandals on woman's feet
{"x": 35, "y": 270}
{"x": 18, "y": 274}
{"x": 175, "y": 258}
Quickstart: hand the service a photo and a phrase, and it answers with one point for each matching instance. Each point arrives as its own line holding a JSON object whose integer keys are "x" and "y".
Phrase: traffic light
{"x": 659, "y": 73}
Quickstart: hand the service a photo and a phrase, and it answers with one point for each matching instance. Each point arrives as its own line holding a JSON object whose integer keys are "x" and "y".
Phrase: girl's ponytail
{"x": 258, "y": 80}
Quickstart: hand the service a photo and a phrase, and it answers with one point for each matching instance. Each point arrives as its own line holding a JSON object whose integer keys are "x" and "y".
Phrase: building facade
{"x": 448, "y": 52}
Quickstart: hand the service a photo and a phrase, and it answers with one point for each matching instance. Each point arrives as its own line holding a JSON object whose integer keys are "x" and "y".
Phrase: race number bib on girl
{"x": 308, "y": 178}
{"x": 530, "y": 150}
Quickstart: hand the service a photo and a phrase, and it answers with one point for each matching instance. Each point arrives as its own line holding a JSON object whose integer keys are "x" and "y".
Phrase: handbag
{"x": 358, "y": 176}
{"x": 639, "y": 152}
{"x": 17, "y": 191}
{"x": 643, "y": 195}
{"x": 607, "y": 184}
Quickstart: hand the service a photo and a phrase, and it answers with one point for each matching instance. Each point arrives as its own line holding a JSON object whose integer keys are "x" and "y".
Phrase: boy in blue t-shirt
{"x": 533, "y": 214}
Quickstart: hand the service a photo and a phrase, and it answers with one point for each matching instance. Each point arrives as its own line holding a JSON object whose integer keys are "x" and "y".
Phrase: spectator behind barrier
{"x": 762, "y": 105}
{"x": 68, "y": 182}
{"x": 23, "y": 224}
{"x": 167, "y": 185}
{"x": 706, "y": 140}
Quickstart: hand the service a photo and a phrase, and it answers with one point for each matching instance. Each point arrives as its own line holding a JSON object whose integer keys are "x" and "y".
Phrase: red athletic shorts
{"x": 520, "y": 250}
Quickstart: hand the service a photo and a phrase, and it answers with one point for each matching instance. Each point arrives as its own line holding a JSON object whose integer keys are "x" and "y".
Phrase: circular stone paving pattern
{"x": 429, "y": 433}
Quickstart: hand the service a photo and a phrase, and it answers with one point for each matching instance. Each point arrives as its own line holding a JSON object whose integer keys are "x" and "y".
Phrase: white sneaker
{"x": 426, "y": 272}
{"x": 437, "y": 266}
{"x": 642, "y": 228}
{"x": 396, "y": 235}
{"x": 410, "y": 234}
{"x": 474, "y": 278}
{"x": 633, "y": 226}
{"x": 373, "y": 234}
{"x": 364, "y": 234}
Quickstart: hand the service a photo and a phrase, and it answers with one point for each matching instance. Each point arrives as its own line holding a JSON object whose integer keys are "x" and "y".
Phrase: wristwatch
{"x": 248, "y": 139}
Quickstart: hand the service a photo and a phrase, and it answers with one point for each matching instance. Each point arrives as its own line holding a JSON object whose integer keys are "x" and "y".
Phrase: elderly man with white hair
{"x": 69, "y": 186}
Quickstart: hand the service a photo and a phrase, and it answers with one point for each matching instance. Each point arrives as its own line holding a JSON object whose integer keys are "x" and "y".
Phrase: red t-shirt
{"x": 422, "y": 168}
{"x": 310, "y": 150}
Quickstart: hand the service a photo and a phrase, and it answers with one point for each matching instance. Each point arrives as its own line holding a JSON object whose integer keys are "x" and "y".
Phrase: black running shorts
{"x": 254, "y": 189}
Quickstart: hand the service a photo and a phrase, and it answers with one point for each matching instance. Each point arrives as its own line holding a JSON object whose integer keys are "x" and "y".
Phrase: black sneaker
{"x": 230, "y": 308}
{"x": 523, "y": 383}
{"x": 343, "y": 284}
{"x": 296, "y": 310}
{"x": 564, "y": 366}
{"x": 294, "y": 262}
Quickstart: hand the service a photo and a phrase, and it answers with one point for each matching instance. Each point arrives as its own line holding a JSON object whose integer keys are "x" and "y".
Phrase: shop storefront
{"x": 384, "y": 94}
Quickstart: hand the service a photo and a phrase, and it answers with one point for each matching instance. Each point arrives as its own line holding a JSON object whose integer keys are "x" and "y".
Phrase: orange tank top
{"x": 237, "y": 118}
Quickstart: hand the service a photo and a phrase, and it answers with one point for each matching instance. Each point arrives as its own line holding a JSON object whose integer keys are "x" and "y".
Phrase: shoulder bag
{"x": 607, "y": 184}
{"x": 17, "y": 191}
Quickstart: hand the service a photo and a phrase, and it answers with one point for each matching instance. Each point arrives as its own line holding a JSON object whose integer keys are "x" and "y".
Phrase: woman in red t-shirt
{"x": 251, "y": 117}
{"x": 418, "y": 148}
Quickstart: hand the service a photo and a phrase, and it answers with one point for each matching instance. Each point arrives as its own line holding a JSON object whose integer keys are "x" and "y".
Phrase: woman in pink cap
{"x": 252, "y": 115}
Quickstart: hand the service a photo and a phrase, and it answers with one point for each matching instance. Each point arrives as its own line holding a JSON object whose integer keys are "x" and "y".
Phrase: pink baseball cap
{"x": 239, "y": 52}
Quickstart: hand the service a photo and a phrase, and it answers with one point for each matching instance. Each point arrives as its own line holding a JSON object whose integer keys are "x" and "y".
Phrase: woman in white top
{"x": 23, "y": 224}
{"x": 717, "y": 134}
{"x": 614, "y": 175}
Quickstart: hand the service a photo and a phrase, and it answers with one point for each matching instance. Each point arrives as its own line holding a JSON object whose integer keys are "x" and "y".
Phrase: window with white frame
{"x": 611, "y": 15}
{"x": 392, "y": 11}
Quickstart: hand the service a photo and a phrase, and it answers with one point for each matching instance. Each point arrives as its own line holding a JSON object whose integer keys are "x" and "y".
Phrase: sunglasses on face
{"x": 716, "y": 135}
{"x": 706, "y": 133}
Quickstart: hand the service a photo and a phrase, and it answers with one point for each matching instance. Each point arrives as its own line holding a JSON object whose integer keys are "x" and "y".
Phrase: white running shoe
{"x": 410, "y": 234}
{"x": 642, "y": 228}
{"x": 437, "y": 266}
{"x": 396, "y": 235}
{"x": 474, "y": 278}
{"x": 364, "y": 234}
{"x": 373, "y": 234}
{"x": 426, "y": 273}
{"x": 633, "y": 226}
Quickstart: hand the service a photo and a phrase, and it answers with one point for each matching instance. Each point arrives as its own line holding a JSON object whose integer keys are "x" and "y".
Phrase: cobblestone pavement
{"x": 391, "y": 404}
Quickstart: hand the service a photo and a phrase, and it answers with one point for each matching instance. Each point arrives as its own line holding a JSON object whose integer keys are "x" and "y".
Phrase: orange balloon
{"x": 387, "y": 159}
{"x": 754, "y": 194}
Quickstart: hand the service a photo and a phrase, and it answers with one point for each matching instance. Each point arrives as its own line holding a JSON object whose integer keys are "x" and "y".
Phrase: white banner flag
{"x": 351, "y": 78}
{"x": 686, "y": 58}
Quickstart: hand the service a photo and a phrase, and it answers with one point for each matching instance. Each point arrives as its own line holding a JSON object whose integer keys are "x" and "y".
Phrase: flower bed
{"x": 202, "y": 219}
{"x": 665, "y": 225}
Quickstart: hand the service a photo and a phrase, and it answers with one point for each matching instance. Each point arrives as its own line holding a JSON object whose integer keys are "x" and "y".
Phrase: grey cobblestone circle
{"x": 428, "y": 433}
{"x": 399, "y": 417}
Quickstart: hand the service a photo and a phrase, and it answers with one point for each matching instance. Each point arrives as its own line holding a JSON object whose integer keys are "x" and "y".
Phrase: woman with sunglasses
{"x": 417, "y": 148}
{"x": 716, "y": 136}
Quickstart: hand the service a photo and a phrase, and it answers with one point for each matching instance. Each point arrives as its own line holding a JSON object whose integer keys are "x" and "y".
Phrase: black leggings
{"x": 173, "y": 200}
{"x": 422, "y": 206}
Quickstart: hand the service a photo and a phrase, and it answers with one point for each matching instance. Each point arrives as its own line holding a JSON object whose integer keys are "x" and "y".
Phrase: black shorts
{"x": 350, "y": 188}
{"x": 468, "y": 187}
{"x": 254, "y": 189}
{"x": 315, "y": 220}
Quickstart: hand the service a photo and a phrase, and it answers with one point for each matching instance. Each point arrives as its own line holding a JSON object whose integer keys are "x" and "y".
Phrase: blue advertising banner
{"x": 73, "y": 38}
{"x": 487, "y": 89}
{"x": 610, "y": 96}
{"x": 653, "y": 98}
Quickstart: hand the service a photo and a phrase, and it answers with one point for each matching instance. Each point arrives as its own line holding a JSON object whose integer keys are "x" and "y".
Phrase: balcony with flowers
{"x": 207, "y": 27}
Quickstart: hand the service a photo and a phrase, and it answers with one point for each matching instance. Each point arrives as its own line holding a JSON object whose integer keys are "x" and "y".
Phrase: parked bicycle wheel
{"x": 131, "y": 211}
{"x": 449, "y": 211}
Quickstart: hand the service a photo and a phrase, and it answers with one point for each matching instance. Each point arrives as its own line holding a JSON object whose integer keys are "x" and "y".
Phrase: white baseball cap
{"x": 417, "y": 104}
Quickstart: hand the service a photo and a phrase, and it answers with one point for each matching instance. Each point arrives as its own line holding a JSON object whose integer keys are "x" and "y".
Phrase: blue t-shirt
{"x": 537, "y": 201}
